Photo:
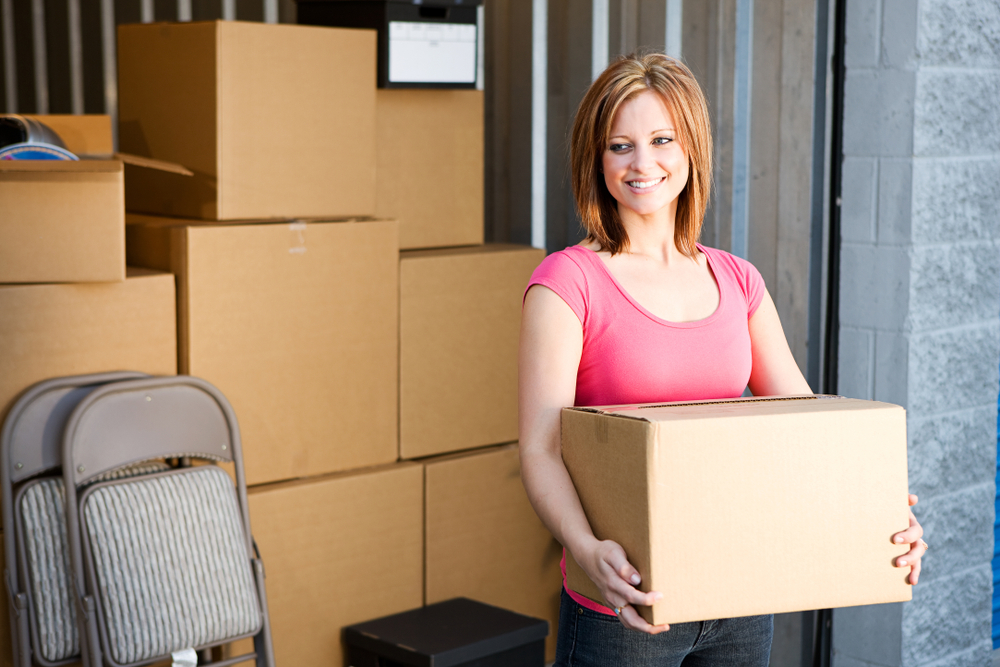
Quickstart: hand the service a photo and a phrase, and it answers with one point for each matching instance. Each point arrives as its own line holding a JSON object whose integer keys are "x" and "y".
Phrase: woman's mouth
{"x": 645, "y": 184}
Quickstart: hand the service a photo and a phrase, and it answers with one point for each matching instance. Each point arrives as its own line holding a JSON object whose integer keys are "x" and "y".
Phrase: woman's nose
{"x": 642, "y": 156}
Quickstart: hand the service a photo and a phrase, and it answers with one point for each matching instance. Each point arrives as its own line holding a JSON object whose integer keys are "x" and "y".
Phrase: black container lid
{"x": 446, "y": 633}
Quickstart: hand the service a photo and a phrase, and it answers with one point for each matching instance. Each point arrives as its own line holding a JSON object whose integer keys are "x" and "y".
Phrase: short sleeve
{"x": 752, "y": 284}
{"x": 561, "y": 273}
{"x": 746, "y": 276}
{"x": 754, "y": 288}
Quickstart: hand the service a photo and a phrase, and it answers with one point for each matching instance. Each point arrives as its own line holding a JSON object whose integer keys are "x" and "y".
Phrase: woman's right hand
{"x": 608, "y": 567}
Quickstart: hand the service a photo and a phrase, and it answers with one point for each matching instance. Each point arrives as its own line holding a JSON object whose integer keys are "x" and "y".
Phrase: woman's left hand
{"x": 914, "y": 537}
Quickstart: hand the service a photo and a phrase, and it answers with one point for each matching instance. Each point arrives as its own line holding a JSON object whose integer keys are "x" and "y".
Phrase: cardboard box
{"x": 430, "y": 165}
{"x": 460, "y": 316}
{"x": 338, "y": 550}
{"x": 484, "y": 540}
{"x": 54, "y": 330}
{"x": 730, "y": 508}
{"x": 296, "y": 323}
{"x": 64, "y": 221}
{"x": 275, "y": 121}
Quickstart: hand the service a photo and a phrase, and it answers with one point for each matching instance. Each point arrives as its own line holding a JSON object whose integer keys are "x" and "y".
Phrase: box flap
{"x": 151, "y": 163}
{"x": 65, "y": 166}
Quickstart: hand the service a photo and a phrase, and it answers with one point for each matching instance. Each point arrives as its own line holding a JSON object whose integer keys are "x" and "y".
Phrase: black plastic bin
{"x": 455, "y": 633}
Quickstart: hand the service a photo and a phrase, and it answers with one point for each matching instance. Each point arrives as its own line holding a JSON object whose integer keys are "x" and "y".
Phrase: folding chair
{"x": 163, "y": 564}
{"x": 43, "y": 620}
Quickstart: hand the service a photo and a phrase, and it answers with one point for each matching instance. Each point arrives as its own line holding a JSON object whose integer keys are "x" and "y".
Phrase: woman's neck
{"x": 653, "y": 235}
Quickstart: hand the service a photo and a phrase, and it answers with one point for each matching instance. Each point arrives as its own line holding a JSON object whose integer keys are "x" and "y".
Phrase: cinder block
{"x": 857, "y": 207}
{"x": 869, "y": 634}
{"x": 899, "y": 33}
{"x": 959, "y": 33}
{"x": 948, "y": 616}
{"x": 855, "y": 363}
{"x": 862, "y": 48}
{"x": 878, "y": 112}
{"x": 953, "y": 285}
{"x": 955, "y": 200}
{"x": 953, "y": 369}
{"x": 960, "y": 528}
{"x": 956, "y": 113}
{"x": 892, "y": 368}
{"x": 952, "y": 451}
{"x": 895, "y": 195}
{"x": 873, "y": 286}
{"x": 980, "y": 654}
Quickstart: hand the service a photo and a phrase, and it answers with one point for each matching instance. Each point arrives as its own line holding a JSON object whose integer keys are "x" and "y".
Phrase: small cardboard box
{"x": 64, "y": 221}
{"x": 430, "y": 166}
{"x": 338, "y": 550}
{"x": 275, "y": 121}
{"x": 730, "y": 508}
{"x": 53, "y": 330}
{"x": 484, "y": 540}
{"x": 296, "y": 323}
{"x": 460, "y": 315}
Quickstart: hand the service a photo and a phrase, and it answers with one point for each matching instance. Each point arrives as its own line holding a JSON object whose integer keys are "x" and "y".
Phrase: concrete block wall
{"x": 920, "y": 302}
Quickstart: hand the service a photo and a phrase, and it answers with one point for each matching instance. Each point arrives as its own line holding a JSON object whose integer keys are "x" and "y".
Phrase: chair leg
{"x": 20, "y": 634}
{"x": 91, "y": 648}
{"x": 262, "y": 640}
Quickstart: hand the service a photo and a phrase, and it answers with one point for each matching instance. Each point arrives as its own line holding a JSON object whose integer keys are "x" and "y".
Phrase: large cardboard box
{"x": 54, "y": 330}
{"x": 460, "y": 316}
{"x": 484, "y": 540}
{"x": 275, "y": 121}
{"x": 64, "y": 221}
{"x": 430, "y": 165}
{"x": 748, "y": 506}
{"x": 338, "y": 550}
{"x": 296, "y": 323}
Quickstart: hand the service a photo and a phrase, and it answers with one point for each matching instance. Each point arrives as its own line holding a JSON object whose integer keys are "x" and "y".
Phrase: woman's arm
{"x": 775, "y": 373}
{"x": 551, "y": 345}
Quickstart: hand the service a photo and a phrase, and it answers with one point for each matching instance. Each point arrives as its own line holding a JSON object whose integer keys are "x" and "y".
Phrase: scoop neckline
{"x": 638, "y": 306}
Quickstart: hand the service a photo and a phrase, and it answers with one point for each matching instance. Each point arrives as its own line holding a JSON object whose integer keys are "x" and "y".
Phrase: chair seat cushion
{"x": 171, "y": 562}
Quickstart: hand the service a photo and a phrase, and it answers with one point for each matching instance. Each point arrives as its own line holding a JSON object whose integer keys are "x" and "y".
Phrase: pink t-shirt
{"x": 632, "y": 356}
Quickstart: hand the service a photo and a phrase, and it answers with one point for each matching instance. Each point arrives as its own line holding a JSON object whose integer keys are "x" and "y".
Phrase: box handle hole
{"x": 433, "y": 12}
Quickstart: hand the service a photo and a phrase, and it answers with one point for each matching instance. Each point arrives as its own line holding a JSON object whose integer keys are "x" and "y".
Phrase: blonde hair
{"x": 623, "y": 80}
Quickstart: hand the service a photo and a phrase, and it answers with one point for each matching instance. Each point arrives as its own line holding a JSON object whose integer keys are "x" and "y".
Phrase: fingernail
{"x": 635, "y": 579}
{"x": 899, "y": 538}
{"x": 902, "y": 563}
{"x": 658, "y": 597}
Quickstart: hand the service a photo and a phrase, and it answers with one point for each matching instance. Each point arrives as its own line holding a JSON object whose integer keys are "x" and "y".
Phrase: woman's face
{"x": 645, "y": 167}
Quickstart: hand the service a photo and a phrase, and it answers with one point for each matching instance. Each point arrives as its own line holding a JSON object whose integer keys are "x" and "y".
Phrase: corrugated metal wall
{"x": 58, "y": 56}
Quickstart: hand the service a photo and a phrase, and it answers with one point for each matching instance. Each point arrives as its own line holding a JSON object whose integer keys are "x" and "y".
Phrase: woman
{"x": 639, "y": 313}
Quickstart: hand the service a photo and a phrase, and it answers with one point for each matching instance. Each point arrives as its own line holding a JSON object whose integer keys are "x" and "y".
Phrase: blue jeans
{"x": 590, "y": 639}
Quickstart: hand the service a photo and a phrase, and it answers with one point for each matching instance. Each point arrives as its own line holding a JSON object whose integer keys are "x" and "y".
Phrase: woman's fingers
{"x": 631, "y": 619}
{"x": 911, "y": 534}
{"x": 915, "y": 573}
{"x": 913, "y": 556}
{"x": 913, "y": 499}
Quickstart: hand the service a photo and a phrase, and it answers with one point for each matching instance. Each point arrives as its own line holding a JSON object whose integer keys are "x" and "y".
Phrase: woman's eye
{"x": 662, "y": 141}
{"x": 619, "y": 148}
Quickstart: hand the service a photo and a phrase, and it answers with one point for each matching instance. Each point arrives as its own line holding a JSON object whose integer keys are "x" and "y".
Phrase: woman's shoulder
{"x": 736, "y": 271}
{"x": 569, "y": 264}
{"x": 730, "y": 262}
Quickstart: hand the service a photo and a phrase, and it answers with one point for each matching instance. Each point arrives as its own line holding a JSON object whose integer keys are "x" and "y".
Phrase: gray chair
{"x": 161, "y": 562}
{"x": 37, "y": 574}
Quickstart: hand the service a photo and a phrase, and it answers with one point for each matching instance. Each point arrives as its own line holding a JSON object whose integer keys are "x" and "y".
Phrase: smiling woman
{"x": 639, "y": 312}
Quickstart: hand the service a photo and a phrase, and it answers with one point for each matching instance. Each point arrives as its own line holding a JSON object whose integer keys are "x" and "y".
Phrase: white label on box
{"x": 432, "y": 52}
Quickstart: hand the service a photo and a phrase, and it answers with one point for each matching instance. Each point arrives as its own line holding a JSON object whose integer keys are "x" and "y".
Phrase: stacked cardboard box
{"x": 272, "y": 268}
{"x": 69, "y": 304}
